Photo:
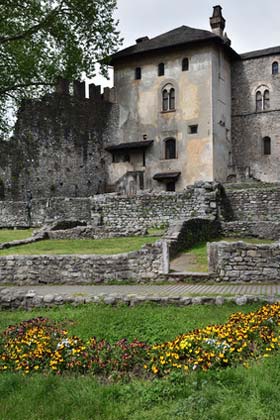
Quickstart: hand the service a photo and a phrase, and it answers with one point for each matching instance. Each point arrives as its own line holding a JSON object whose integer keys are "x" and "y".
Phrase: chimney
{"x": 142, "y": 39}
{"x": 217, "y": 21}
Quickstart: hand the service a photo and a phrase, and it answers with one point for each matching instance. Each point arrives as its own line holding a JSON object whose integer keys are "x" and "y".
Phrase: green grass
{"x": 7, "y": 235}
{"x": 235, "y": 393}
{"x": 83, "y": 246}
{"x": 198, "y": 253}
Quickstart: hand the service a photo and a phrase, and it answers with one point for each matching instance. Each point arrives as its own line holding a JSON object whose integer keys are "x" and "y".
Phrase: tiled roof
{"x": 179, "y": 36}
{"x": 260, "y": 53}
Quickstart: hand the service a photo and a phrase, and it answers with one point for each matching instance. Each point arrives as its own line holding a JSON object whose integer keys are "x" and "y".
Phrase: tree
{"x": 41, "y": 40}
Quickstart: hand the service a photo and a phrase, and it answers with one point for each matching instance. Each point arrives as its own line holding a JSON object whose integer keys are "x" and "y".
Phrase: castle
{"x": 185, "y": 107}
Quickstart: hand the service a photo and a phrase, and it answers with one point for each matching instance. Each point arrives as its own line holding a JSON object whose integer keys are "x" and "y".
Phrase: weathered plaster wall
{"x": 221, "y": 97}
{"x": 241, "y": 262}
{"x": 137, "y": 266}
{"x": 250, "y": 127}
{"x": 141, "y": 114}
{"x": 58, "y": 147}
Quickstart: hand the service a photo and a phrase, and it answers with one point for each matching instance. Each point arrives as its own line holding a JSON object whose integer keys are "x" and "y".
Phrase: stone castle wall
{"x": 249, "y": 127}
{"x": 58, "y": 145}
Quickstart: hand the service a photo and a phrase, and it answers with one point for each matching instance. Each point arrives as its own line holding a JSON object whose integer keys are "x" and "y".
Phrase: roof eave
{"x": 115, "y": 59}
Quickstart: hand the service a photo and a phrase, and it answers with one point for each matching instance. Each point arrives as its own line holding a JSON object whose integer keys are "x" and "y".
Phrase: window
{"x": 161, "y": 69}
{"x": 165, "y": 100}
{"x": 185, "y": 64}
{"x": 170, "y": 186}
{"x": 168, "y": 98}
{"x": 266, "y": 104}
{"x": 193, "y": 129}
{"x": 138, "y": 73}
{"x": 170, "y": 149}
{"x": 262, "y": 100}
{"x": 275, "y": 67}
{"x": 172, "y": 99}
{"x": 267, "y": 146}
{"x": 259, "y": 101}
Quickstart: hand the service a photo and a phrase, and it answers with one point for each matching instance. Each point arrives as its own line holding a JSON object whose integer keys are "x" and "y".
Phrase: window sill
{"x": 167, "y": 112}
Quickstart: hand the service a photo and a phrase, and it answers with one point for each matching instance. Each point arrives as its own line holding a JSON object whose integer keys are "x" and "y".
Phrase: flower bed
{"x": 243, "y": 337}
{"x": 43, "y": 346}
{"x": 40, "y": 345}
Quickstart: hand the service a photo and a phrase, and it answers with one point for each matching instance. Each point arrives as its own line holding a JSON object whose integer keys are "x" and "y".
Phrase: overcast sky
{"x": 250, "y": 24}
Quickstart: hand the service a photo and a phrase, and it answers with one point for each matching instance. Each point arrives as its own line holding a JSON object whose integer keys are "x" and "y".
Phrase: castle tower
{"x": 217, "y": 21}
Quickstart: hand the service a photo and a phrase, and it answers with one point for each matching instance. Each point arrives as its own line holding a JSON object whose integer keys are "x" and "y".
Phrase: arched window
{"x": 165, "y": 100}
{"x": 168, "y": 98}
{"x": 170, "y": 149}
{"x": 266, "y": 104}
{"x": 172, "y": 99}
{"x": 259, "y": 101}
{"x": 185, "y": 64}
{"x": 161, "y": 69}
{"x": 275, "y": 67}
{"x": 267, "y": 146}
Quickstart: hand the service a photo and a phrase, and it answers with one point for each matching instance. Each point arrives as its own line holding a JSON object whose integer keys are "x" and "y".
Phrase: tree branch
{"x": 23, "y": 85}
{"x": 33, "y": 29}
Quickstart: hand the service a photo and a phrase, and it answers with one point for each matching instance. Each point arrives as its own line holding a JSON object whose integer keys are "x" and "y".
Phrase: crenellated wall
{"x": 58, "y": 148}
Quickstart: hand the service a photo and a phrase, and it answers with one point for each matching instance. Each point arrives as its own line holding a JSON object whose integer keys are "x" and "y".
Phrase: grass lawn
{"x": 7, "y": 235}
{"x": 82, "y": 246}
{"x": 235, "y": 393}
{"x": 196, "y": 257}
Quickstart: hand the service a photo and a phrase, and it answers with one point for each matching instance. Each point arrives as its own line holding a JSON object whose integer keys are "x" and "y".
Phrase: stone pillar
{"x": 165, "y": 257}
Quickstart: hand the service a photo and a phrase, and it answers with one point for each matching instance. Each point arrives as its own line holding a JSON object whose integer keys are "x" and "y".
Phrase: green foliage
{"x": 42, "y": 40}
{"x": 81, "y": 246}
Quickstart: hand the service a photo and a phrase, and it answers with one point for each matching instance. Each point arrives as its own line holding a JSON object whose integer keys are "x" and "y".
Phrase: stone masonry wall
{"x": 185, "y": 234}
{"x": 155, "y": 209}
{"x": 58, "y": 148}
{"x": 245, "y": 229}
{"x": 141, "y": 210}
{"x": 241, "y": 262}
{"x": 249, "y": 127}
{"x": 138, "y": 266}
{"x": 255, "y": 204}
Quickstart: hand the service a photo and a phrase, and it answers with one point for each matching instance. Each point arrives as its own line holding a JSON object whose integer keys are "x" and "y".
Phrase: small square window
{"x": 193, "y": 129}
{"x": 138, "y": 73}
{"x": 171, "y": 186}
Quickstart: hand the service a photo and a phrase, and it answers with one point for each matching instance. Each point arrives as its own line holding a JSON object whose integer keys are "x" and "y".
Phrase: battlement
{"x": 62, "y": 87}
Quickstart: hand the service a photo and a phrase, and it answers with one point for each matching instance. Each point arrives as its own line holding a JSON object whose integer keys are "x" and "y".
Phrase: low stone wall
{"x": 242, "y": 229}
{"x": 138, "y": 266}
{"x": 241, "y": 262}
{"x": 185, "y": 234}
{"x": 259, "y": 203}
{"x": 14, "y": 299}
{"x": 95, "y": 232}
{"x": 137, "y": 211}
